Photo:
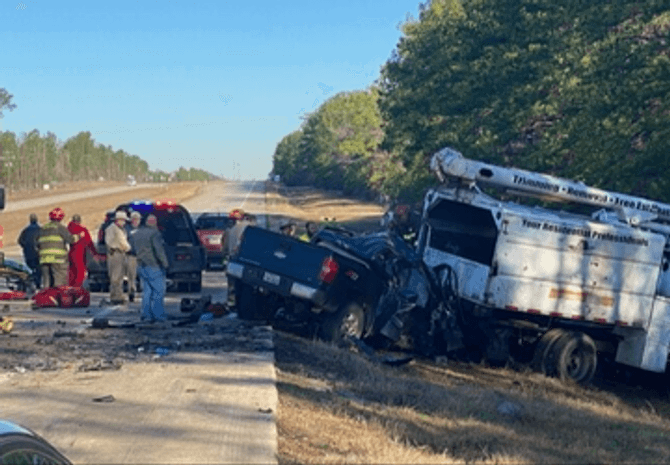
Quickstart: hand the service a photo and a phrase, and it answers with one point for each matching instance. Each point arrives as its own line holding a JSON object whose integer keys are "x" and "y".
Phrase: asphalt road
{"x": 187, "y": 406}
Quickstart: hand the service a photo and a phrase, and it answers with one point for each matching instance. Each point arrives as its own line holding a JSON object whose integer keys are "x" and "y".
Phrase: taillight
{"x": 329, "y": 269}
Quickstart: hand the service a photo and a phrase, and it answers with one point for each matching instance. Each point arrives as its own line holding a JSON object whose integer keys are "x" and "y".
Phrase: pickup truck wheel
{"x": 349, "y": 321}
{"x": 575, "y": 358}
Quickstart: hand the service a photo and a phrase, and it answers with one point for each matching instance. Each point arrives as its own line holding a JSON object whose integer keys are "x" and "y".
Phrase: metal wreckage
{"x": 491, "y": 278}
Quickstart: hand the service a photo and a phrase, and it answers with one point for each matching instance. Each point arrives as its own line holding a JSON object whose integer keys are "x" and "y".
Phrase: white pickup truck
{"x": 558, "y": 288}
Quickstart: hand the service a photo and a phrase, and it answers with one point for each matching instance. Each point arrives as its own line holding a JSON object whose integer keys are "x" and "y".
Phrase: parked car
{"x": 19, "y": 445}
{"x": 186, "y": 254}
{"x": 211, "y": 229}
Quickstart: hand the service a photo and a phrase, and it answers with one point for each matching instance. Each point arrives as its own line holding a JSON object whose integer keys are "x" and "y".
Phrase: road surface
{"x": 190, "y": 406}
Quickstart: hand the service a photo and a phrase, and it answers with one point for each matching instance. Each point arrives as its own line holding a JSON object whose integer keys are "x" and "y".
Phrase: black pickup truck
{"x": 304, "y": 281}
{"x": 372, "y": 286}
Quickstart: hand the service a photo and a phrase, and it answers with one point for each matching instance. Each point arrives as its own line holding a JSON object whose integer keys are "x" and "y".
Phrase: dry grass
{"x": 338, "y": 407}
{"x": 309, "y": 204}
{"x": 92, "y": 210}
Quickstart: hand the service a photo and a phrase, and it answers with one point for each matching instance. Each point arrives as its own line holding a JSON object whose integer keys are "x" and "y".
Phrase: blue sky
{"x": 211, "y": 85}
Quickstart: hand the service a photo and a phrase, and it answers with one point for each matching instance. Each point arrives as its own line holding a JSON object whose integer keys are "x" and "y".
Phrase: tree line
{"x": 572, "y": 88}
{"x": 32, "y": 160}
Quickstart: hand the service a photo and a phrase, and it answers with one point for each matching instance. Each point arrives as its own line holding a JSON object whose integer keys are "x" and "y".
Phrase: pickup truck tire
{"x": 348, "y": 321}
{"x": 575, "y": 357}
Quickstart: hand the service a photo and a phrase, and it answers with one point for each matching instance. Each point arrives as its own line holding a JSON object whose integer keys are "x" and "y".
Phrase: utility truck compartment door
{"x": 576, "y": 269}
{"x": 584, "y": 254}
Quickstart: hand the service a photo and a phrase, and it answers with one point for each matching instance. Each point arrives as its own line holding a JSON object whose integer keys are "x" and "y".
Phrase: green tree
{"x": 565, "y": 87}
{"x": 6, "y": 101}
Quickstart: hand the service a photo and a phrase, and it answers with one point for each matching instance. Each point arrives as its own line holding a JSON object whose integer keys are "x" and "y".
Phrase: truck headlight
{"x": 235, "y": 269}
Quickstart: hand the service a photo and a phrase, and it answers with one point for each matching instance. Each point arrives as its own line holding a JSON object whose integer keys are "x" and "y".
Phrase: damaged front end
{"x": 417, "y": 311}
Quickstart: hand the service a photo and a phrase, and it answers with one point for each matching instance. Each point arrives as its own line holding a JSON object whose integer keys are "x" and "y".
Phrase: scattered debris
{"x": 511, "y": 410}
{"x": 100, "y": 365}
{"x": 105, "y": 399}
{"x": 6, "y": 324}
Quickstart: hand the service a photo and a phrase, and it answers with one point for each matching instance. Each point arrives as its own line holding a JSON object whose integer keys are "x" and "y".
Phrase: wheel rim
{"x": 351, "y": 325}
{"x": 576, "y": 358}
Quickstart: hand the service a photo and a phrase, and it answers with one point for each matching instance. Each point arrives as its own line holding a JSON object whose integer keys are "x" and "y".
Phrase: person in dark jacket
{"x": 152, "y": 263}
{"x": 28, "y": 242}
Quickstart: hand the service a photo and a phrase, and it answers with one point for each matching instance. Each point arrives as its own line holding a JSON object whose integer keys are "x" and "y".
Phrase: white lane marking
{"x": 251, "y": 189}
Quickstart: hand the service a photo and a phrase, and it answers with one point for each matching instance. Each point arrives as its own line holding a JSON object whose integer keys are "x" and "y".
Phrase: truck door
{"x": 462, "y": 236}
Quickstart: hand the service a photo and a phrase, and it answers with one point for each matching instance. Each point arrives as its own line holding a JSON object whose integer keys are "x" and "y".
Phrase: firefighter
{"x": 311, "y": 228}
{"x": 77, "y": 255}
{"x": 52, "y": 246}
{"x": 131, "y": 257}
{"x": 117, "y": 244}
{"x": 231, "y": 244}
{"x": 28, "y": 242}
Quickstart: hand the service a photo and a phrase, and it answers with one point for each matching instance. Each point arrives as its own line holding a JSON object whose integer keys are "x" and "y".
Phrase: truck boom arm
{"x": 450, "y": 163}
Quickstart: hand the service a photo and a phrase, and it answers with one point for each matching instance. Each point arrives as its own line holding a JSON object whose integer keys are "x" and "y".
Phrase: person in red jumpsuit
{"x": 77, "y": 254}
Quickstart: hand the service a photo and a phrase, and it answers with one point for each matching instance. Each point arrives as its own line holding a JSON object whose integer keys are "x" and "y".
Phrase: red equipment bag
{"x": 63, "y": 296}
{"x": 13, "y": 295}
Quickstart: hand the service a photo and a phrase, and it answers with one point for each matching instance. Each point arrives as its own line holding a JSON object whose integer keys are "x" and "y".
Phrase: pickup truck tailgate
{"x": 280, "y": 255}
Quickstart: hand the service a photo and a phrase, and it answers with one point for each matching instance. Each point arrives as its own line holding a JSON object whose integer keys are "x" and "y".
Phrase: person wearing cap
{"x": 52, "y": 246}
{"x": 288, "y": 228}
{"x": 77, "y": 254}
{"x": 152, "y": 264}
{"x": 131, "y": 257}
{"x": 28, "y": 242}
{"x": 117, "y": 244}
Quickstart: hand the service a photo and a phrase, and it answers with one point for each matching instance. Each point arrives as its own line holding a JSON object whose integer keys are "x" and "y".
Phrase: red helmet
{"x": 236, "y": 214}
{"x": 57, "y": 214}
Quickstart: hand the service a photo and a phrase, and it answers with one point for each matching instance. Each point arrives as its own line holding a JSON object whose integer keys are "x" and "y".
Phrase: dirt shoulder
{"x": 93, "y": 209}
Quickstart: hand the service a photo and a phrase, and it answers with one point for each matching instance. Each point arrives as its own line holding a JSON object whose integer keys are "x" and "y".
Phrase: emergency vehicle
{"x": 560, "y": 287}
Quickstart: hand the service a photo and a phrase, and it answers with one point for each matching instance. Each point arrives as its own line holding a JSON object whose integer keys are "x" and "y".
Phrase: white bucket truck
{"x": 560, "y": 288}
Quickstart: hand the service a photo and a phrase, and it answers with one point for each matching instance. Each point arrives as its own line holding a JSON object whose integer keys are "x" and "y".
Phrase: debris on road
{"x": 6, "y": 324}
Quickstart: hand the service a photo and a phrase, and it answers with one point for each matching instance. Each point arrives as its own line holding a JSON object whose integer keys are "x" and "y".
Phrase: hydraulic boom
{"x": 635, "y": 210}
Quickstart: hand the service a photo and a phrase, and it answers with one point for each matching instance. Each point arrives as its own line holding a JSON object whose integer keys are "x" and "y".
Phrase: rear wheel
{"x": 575, "y": 358}
{"x": 347, "y": 322}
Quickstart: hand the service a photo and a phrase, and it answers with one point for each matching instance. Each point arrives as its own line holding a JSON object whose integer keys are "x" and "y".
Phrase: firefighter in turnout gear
{"x": 52, "y": 246}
